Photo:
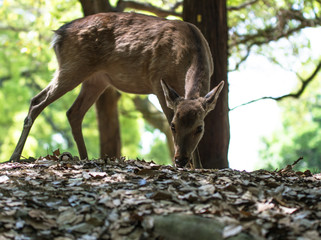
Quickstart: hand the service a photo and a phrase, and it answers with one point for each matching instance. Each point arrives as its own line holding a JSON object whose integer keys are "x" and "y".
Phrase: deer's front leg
{"x": 197, "y": 164}
{"x": 90, "y": 91}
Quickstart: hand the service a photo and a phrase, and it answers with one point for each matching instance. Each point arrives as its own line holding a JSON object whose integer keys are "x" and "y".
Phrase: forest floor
{"x": 66, "y": 199}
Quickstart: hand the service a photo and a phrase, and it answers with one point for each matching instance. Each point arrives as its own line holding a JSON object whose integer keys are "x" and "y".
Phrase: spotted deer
{"x": 137, "y": 54}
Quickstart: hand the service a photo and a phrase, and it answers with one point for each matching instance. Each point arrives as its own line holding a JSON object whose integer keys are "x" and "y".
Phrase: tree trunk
{"x": 90, "y": 7}
{"x": 106, "y": 105}
{"x": 210, "y": 17}
{"x": 108, "y": 123}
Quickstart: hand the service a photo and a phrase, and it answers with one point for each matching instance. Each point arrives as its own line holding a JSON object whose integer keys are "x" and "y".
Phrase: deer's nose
{"x": 181, "y": 161}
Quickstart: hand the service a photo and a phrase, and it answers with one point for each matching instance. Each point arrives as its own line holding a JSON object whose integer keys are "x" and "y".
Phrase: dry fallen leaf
{"x": 232, "y": 230}
{"x": 69, "y": 198}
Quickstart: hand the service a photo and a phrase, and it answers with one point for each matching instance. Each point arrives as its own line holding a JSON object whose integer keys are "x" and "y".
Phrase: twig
{"x": 121, "y": 5}
{"x": 290, "y": 167}
{"x": 244, "y": 5}
{"x": 304, "y": 85}
{"x": 296, "y": 162}
{"x": 281, "y": 29}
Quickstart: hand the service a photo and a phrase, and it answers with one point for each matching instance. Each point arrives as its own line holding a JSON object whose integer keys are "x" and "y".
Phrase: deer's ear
{"x": 170, "y": 95}
{"x": 210, "y": 99}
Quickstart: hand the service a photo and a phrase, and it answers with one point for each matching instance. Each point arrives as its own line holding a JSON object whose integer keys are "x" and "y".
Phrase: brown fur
{"x": 130, "y": 52}
{"x": 188, "y": 112}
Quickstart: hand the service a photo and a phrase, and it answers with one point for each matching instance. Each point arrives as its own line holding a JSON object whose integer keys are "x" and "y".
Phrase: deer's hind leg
{"x": 62, "y": 82}
{"x": 90, "y": 91}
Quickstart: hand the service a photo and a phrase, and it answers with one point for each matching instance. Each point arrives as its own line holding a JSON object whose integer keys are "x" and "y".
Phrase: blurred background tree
{"x": 276, "y": 30}
{"x": 299, "y": 134}
{"x": 256, "y": 27}
{"x": 27, "y": 64}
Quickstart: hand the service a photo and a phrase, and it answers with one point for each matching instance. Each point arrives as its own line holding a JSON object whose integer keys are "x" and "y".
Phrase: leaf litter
{"x": 60, "y": 197}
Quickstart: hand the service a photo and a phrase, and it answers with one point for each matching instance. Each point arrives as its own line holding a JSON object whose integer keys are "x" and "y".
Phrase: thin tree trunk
{"x": 108, "y": 123}
{"x": 90, "y": 7}
{"x": 210, "y": 17}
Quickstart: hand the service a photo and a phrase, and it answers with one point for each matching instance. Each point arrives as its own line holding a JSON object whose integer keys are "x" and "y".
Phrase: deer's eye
{"x": 173, "y": 127}
{"x": 199, "y": 130}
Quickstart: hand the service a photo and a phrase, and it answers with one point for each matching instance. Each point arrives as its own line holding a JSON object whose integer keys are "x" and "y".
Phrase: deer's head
{"x": 188, "y": 121}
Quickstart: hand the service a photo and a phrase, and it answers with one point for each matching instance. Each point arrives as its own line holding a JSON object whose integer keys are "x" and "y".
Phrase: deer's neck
{"x": 197, "y": 80}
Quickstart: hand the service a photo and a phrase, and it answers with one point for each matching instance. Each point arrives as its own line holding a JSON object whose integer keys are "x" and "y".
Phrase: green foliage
{"x": 27, "y": 64}
{"x": 252, "y": 27}
{"x": 273, "y": 29}
{"x": 131, "y": 127}
{"x": 25, "y": 35}
{"x": 159, "y": 152}
{"x": 300, "y": 134}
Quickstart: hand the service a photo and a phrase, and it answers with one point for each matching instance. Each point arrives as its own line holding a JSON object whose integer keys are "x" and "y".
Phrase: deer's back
{"x": 133, "y": 49}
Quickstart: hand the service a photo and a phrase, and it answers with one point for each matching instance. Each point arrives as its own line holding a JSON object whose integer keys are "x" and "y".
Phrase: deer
{"x": 137, "y": 54}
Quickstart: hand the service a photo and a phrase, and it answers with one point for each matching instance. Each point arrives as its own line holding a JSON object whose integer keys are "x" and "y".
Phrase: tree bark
{"x": 90, "y": 7}
{"x": 106, "y": 105}
{"x": 210, "y": 17}
{"x": 108, "y": 123}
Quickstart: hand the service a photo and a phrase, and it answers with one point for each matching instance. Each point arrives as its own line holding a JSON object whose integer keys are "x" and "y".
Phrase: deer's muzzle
{"x": 181, "y": 161}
